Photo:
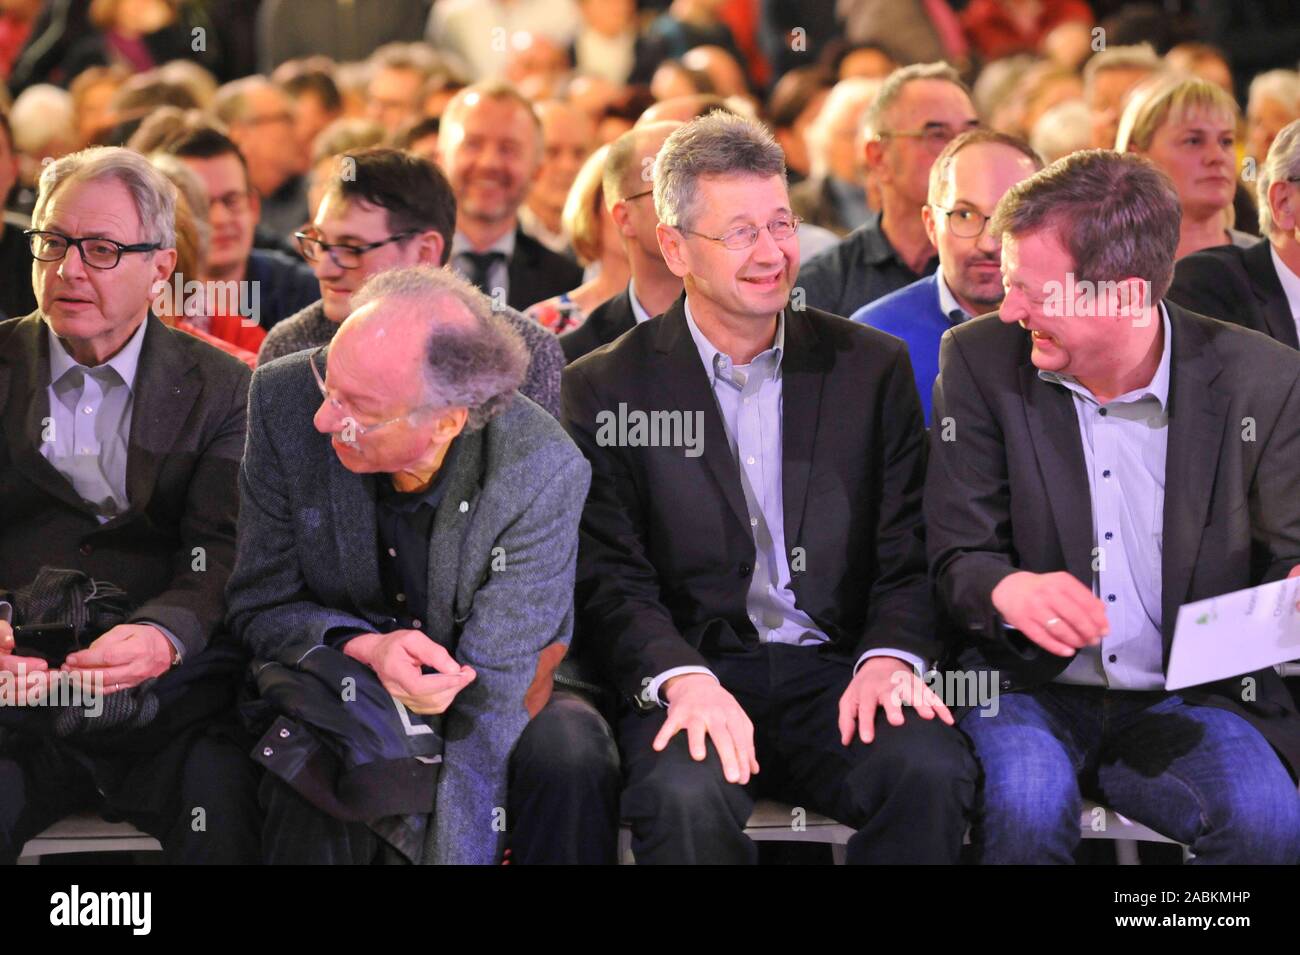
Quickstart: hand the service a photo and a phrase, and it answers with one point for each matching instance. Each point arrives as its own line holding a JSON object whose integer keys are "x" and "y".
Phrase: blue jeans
{"x": 1198, "y": 774}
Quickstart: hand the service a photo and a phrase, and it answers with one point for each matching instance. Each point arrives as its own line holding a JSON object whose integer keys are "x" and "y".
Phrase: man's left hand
{"x": 123, "y": 657}
{"x": 890, "y": 683}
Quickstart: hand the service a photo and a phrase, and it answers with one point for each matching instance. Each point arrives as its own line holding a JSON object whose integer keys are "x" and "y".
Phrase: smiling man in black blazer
{"x": 751, "y": 574}
{"x": 1099, "y": 458}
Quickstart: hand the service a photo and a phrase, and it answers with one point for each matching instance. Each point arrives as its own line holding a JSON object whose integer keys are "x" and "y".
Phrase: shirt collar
{"x": 460, "y": 243}
{"x": 948, "y": 302}
{"x": 1289, "y": 280}
{"x": 638, "y": 310}
{"x": 125, "y": 362}
{"x": 716, "y": 363}
{"x": 1157, "y": 388}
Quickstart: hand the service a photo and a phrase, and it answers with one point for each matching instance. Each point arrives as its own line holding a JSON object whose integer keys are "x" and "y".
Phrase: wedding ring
{"x": 1053, "y": 622}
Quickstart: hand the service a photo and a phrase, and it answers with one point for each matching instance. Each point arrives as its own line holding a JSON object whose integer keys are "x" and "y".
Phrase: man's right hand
{"x": 1054, "y": 610}
{"x": 698, "y": 704}
{"x": 397, "y": 659}
{"x": 34, "y": 668}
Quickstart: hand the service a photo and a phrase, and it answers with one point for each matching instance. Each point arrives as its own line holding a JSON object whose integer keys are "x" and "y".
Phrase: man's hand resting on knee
{"x": 698, "y": 704}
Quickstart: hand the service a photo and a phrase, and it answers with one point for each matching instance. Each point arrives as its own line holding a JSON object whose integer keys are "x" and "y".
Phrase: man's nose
{"x": 72, "y": 265}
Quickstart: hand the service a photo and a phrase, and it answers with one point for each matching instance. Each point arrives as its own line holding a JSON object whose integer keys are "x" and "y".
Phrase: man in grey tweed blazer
{"x": 409, "y": 432}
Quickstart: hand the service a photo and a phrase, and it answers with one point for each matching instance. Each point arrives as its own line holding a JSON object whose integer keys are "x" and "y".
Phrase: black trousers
{"x": 908, "y": 793}
{"x": 562, "y": 805}
{"x": 215, "y": 819}
{"x": 298, "y": 833}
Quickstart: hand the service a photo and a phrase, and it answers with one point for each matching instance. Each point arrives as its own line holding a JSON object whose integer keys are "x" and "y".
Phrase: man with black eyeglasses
{"x": 918, "y": 111}
{"x": 386, "y": 209}
{"x": 120, "y": 445}
{"x": 265, "y": 286}
{"x": 972, "y": 173}
{"x": 751, "y": 570}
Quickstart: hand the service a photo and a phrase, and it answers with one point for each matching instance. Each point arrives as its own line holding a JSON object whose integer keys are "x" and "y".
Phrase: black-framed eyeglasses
{"x": 95, "y": 251}
{"x": 965, "y": 222}
{"x": 934, "y": 135}
{"x": 744, "y": 236}
{"x": 343, "y": 255}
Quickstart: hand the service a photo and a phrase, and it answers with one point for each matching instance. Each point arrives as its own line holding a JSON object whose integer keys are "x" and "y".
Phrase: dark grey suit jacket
{"x": 501, "y": 563}
{"x": 173, "y": 549}
{"x": 1236, "y": 285}
{"x": 1007, "y": 490}
{"x": 609, "y": 320}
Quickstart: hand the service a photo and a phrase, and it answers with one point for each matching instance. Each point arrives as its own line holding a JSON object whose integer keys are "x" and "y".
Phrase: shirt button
{"x": 87, "y": 410}
{"x": 1109, "y": 535}
{"x": 392, "y": 552}
{"x": 1106, "y": 473}
{"x": 1112, "y": 658}
{"x": 1102, "y": 412}
{"x": 1110, "y": 597}
{"x": 750, "y": 459}
{"x": 401, "y": 598}
{"x": 753, "y": 522}
{"x": 748, "y": 400}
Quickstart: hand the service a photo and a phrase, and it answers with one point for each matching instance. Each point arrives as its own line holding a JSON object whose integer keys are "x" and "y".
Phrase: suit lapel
{"x": 1272, "y": 297}
{"x": 356, "y": 529}
{"x": 803, "y": 372}
{"x": 1054, "y": 428}
{"x": 450, "y": 525}
{"x": 688, "y": 383}
{"x": 24, "y": 376}
{"x": 1197, "y": 415}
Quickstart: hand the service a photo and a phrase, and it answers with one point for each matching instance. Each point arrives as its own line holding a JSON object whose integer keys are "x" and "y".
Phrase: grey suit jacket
{"x": 501, "y": 566}
{"x": 1007, "y": 490}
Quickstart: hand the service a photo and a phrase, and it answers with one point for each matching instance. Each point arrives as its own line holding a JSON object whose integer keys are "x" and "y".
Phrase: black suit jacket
{"x": 666, "y": 550}
{"x": 1007, "y": 490}
{"x": 185, "y": 445}
{"x": 610, "y": 319}
{"x": 536, "y": 273}
{"x": 1236, "y": 285}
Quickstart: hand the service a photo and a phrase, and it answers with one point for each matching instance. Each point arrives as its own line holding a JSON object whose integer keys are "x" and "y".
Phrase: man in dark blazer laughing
{"x": 751, "y": 573}
{"x": 1099, "y": 458}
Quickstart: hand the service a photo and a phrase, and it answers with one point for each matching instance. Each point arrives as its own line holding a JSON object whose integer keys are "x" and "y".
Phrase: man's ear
{"x": 873, "y": 156}
{"x": 450, "y": 423}
{"x": 672, "y": 247}
{"x": 618, "y": 212}
{"x": 429, "y": 251}
{"x": 927, "y": 217}
{"x": 1282, "y": 204}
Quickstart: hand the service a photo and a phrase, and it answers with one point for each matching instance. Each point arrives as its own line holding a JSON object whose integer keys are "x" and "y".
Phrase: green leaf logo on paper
{"x": 1206, "y": 618}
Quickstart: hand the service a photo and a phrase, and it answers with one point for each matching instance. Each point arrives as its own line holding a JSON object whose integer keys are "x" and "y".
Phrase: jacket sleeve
{"x": 519, "y": 611}
{"x": 193, "y": 605}
{"x": 967, "y": 495}
{"x": 1203, "y": 285}
{"x": 272, "y": 611}
{"x": 625, "y": 626}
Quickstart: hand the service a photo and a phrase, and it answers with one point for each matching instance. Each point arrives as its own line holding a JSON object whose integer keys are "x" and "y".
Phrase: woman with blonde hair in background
{"x": 594, "y": 236}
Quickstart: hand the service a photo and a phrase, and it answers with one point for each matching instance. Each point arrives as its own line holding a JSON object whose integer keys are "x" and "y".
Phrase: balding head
{"x": 629, "y": 167}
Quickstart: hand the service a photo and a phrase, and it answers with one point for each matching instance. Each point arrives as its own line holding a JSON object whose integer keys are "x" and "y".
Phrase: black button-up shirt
{"x": 405, "y": 522}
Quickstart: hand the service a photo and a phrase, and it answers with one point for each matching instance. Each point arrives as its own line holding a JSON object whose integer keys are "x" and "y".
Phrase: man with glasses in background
{"x": 386, "y": 209}
{"x": 918, "y": 111}
{"x": 118, "y": 462}
{"x": 408, "y": 536}
{"x": 752, "y": 578}
{"x": 972, "y": 173}
{"x": 259, "y": 287}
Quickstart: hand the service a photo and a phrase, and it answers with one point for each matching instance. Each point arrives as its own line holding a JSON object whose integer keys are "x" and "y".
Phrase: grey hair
{"x": 1281, "y": 85}
{"x": 1139, "y": 56}
{"x": 154, "y": 196}
{"x": 478, "y": 367}
{"x": 1115, "y": 213}
{"x": 718, "y": 144}
{"x": 1283, "y": 163}
{"x": 892, "y": 89}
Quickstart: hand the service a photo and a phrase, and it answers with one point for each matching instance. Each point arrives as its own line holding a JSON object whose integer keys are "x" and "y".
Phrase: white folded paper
{"x": 1235, "y": 633}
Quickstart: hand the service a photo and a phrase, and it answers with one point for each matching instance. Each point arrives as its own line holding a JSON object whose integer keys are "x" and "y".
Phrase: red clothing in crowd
{"x": 995, "y": 33}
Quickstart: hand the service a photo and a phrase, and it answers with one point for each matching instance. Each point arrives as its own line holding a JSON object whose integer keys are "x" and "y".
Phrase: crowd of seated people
{"x": 394, "y": 461}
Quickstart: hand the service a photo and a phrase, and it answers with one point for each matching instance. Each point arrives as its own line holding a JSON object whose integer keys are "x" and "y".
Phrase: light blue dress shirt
{"x": 749, "y": 401}
{"x": 1124, "y": 445}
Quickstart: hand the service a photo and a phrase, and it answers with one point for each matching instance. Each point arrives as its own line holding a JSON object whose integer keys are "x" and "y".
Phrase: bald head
{"x": 629, "y": 166}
